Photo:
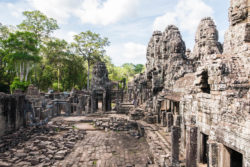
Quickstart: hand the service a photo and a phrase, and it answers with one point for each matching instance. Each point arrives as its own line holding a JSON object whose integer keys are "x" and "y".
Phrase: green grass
{"x": 74, "y": 127}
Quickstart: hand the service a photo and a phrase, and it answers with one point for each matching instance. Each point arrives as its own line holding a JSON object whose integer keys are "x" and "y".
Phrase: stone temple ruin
{"x": 101, "y": 88}
{"x": 188, "y": 109}
{"x": 201, "y": 97}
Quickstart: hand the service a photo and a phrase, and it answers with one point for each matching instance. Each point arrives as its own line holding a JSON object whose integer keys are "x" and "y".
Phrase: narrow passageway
{"x": 107, "y": 149}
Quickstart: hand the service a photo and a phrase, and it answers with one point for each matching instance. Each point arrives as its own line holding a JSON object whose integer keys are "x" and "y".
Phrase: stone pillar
{"x": 246, "y": 161}
{"x": 104, "y": 101}
{"x": 163, "y": 120}
{"x": 178, "y": 120}
{"x": 168, "y": 105}
{"x": 108, "y": 100}
{"x": 93, "y": 102}
{"x": 67, "y": 108}
{"x": 175, "y": 140}
{"x": 213, "y": 154}
{"x": 172, "y": 106}
{"x": 191, "y": 146}
{"x": 170, "y": 121}
{"x": 158, "y": 111}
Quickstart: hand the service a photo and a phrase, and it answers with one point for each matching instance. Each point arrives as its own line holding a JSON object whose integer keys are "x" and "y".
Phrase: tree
{"x": 20, "y": 51}
{"x": 91, "y": 47}
{"x": 4, "y": 32}
{"x": 39, "y": 24}
{"x": 56, "y": 53}
{"x": 139, "y": 68}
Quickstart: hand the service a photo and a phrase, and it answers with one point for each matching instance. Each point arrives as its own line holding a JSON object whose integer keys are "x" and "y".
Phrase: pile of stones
{"x": 38, "y": 146}
{"x": 119, "y": 124}
{"x": 136, "y": 114}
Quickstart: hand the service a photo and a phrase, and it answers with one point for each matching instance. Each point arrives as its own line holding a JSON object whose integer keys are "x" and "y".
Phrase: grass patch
{"x": 74, "y": 127}
{"x": 57, "y": 129}
{"x": 95, "y": 162}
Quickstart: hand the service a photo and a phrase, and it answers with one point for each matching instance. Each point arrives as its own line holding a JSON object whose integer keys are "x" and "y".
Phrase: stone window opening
{"x": 205, "y": 87}
{"x": 204, "y": 149}
{"x": 232, "y": 158}
{"x": 99, "y": 101}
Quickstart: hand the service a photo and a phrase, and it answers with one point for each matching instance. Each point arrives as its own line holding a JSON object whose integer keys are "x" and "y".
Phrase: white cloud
{"x": 67, "y": 36}
{"x": 127, "y": 52}
{"x": 61, "y": 10}
{"x": 108, "y": 12}
{"x": 96, "y": 12}
{"x": 186, "y": 15}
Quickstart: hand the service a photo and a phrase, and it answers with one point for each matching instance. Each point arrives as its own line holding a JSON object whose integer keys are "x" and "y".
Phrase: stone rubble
{"x": 38, "y": 146}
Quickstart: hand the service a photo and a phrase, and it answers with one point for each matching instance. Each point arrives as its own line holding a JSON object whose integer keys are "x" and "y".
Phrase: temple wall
{"x": 224, "y": 121}
{"x": 12, "y": 112}
{"x": 208, "y": 89}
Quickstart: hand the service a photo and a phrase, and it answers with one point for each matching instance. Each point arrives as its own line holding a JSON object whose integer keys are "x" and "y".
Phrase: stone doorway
{"x": 204, "y": 149}
{"x": 232, "y": 158}
{"x": 99, "y": 100}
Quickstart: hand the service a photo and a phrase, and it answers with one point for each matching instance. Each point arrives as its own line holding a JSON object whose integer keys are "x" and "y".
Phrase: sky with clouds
{"x": 127, "y": 23}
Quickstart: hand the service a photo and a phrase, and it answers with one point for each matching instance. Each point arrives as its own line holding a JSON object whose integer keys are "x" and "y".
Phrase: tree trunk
{"x": 27, "y": 72}
{"x": 20, "y": 72}
{"x": 88, "y": 76}
{"x": 58, "y": 80}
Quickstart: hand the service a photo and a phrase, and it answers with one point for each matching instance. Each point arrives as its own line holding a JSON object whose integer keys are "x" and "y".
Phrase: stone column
{"x": 93, "y": 101}
{"x": 170, "y": 121}
{"x": 213, "y": 153}
{"x": 167, "y": 105}
{"x": 104, "y": 100}
{"x": 178, "y": 120}
{"x": 172, "y": 106}
{"x": 108, "y": 100}
{"x": 175, "y": 140}
{"x": 191, "y": 146}
{"x": 163, "y": 120}
{"x": 158, "y": 111}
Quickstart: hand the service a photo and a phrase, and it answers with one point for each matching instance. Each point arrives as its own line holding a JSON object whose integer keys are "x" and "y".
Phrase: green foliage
{"x": 95, "y": 162}
{"x": 90, "y": 46}
{"x": 20, "y": 52}
{"x": 55, "y": 87}
{"x": 30, "y": 54}
{"x": 38, "y": 23}
{"x": 21, "y": 46}
{"x": 126, "y": 71}
{"x": 4, "y": 32}
{"x": 139, "y": 68}
{"x": 17, "y": 84}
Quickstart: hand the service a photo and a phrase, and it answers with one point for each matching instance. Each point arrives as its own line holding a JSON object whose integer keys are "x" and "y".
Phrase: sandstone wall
{"x": 208, "y": 88}
{"x": 12, "y": 112}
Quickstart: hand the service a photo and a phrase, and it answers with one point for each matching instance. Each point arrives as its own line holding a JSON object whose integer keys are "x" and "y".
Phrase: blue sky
{"x": 127, "y": 23}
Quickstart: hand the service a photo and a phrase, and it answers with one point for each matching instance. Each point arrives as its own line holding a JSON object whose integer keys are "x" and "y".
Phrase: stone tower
{"x": 100, "y": 88}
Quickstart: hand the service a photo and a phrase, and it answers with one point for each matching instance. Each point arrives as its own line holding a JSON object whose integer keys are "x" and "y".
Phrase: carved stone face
{"x": 100, "y": 75}
{"x": 157, "y": 39}
{"x": 173, "y": 42}
{"x": 238, "y": 11}
{"x": 206, "y": 31}
{"x": 206, "y": 39}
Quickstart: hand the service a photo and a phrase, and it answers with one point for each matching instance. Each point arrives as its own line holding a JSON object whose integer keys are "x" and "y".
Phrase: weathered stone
{"x": 206, "y": 40}
{"x": 100, "y": 88}
{"x": 175, "y": 149}
{"x": 170, "y": 121}
{"x": 191, "y": 153}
